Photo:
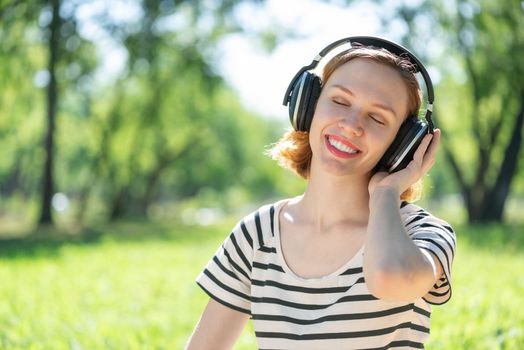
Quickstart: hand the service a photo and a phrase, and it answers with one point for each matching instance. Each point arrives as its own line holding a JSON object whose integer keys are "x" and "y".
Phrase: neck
{"x": 330, "y": 200}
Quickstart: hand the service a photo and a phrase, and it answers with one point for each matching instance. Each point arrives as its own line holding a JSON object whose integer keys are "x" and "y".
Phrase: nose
{"x": 352, "y": 124}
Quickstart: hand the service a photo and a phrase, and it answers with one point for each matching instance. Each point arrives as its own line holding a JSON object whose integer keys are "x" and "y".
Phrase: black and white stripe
{"x": 248, "y": 274}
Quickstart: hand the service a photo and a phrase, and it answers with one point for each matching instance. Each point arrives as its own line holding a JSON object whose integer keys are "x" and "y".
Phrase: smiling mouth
{"x": 340, "y": 146}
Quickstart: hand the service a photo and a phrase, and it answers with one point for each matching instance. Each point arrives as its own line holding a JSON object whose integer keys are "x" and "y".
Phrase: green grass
{"x": 487, "y": 307}
{"x": 131, "y": 286}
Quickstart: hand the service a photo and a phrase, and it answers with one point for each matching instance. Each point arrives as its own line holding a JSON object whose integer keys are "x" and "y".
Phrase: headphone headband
{"x": 380, "y": 43}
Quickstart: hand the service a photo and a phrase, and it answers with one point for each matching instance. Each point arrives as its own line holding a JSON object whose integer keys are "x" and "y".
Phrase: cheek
{"x": 381, "y": 138}
{"x": 325, "y": 109}
{"x": 321, "y": 118}
{"x": 315, "y": 135}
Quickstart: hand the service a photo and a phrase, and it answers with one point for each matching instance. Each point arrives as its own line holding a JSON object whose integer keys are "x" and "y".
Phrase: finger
{"x": 422, "y": 148}
{"x": 431, "y": 153}
{"x": 424, "y": 157}
{"x": 435, "y": 142}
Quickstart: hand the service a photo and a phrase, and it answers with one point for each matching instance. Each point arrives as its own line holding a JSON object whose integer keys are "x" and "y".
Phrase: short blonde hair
{"x": 293, "y": 151}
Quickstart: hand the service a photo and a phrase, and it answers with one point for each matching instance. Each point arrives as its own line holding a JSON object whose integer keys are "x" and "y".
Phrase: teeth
{"x": 341, "y": 147}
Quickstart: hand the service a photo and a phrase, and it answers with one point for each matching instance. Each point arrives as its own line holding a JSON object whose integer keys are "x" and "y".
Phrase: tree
{"x": 161, "y": 115}
{"x": 491, "y": 40}
{"x": 52, "y": 98}
{"x": 481, "y": 64}
{"x": 70, "y": 58}
{"x": 167, "y": 127}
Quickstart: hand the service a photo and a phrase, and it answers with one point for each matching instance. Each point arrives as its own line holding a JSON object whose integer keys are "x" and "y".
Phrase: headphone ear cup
{"x": 293, "y": 105}
{"x": 401, "y": 151}
{"x": 310, "y": 102}
{"x": 303, "y": 100}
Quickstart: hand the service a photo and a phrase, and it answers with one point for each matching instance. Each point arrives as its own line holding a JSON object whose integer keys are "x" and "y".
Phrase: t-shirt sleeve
{"x": 227, "y": 276}
{"x": 438, "y": 237}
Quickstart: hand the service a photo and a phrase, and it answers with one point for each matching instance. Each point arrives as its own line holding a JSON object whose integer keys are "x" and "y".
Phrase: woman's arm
{"x": 218, "y": 328}
{"x": 394, "y": 267}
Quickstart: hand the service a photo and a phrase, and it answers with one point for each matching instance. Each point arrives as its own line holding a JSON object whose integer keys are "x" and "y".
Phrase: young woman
{"x": 349, "y": 264}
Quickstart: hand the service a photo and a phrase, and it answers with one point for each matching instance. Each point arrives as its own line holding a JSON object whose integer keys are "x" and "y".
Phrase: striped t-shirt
{"x": 248, "y": 274}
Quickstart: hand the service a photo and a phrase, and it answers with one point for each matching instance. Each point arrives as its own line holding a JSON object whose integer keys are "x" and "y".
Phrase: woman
{"x": 349, "y": 264}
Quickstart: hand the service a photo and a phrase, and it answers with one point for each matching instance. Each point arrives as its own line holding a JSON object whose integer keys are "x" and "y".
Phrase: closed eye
{"x": 376, "y": 119}
{"x": 341, "y": 102}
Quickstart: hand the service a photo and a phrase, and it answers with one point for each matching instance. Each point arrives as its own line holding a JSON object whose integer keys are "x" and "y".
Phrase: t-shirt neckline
{"x": 354, "y": 261}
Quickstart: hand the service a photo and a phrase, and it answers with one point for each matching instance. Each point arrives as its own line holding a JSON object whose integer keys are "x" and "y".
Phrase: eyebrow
{"x": 376, "y": 105}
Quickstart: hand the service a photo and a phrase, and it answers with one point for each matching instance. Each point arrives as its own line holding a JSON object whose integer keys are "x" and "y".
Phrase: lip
{"x": 339, "y": 153}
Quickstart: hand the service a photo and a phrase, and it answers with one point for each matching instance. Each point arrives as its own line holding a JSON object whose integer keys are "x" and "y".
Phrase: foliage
{"x": 477, "y": 49}
{"x": 131, "y": 285}
{"x": 20, "y": 122}
{"x": 163, "y": 128}
{"x": 483, "y": 35}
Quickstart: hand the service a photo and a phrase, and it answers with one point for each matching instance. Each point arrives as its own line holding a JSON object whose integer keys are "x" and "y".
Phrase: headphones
{"x": 303, "y": 92}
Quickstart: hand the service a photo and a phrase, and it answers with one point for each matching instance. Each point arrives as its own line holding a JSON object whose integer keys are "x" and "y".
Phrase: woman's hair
{"x": 293, "y": 151}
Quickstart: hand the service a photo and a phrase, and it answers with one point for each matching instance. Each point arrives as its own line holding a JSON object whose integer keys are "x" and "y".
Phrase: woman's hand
{"x": 423, "y": 161}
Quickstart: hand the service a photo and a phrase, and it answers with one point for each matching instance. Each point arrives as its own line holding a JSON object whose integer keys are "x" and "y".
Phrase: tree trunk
{"x": 164, "y": 160}
{"x": 52, "y": 98}
{"x": 149, "y": 192}
{"x": 496, "y": 199}
{"x": 118, "y": 205}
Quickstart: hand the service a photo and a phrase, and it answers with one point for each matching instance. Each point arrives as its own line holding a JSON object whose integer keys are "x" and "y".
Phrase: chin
{"x": 334, "y": 168}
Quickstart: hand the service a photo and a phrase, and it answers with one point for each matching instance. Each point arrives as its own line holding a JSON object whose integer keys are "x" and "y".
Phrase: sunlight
{"x": 262, "y": 78}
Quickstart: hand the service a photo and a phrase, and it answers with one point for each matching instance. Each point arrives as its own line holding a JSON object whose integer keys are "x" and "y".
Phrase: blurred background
{"x": 133, "y": 134}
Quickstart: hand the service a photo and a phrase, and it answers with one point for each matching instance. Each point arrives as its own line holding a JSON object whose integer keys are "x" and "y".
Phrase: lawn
{"x": 131, "y": 286}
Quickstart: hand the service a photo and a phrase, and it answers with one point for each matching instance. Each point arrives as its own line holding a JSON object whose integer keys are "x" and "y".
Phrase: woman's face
{"x": 359, "y": 111}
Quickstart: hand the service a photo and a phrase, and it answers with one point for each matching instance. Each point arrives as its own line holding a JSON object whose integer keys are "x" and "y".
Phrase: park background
{"x": 132, "y": 135}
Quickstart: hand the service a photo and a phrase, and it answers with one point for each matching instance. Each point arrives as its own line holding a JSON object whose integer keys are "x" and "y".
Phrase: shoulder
{"x": 435, "y": 235}
{"x": 415, "y": 217}
{"x": 429, "y": 232}
{"x": 425, "y": 229}
{"x": 259, "y": 226}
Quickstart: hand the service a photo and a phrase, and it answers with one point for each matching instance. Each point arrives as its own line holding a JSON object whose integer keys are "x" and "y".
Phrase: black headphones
{"x": 303, "y": 92}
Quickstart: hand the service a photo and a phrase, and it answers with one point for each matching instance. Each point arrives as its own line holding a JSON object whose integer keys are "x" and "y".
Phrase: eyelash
{"x": 375, "y": 119}
{"x": 341, "y": 103}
